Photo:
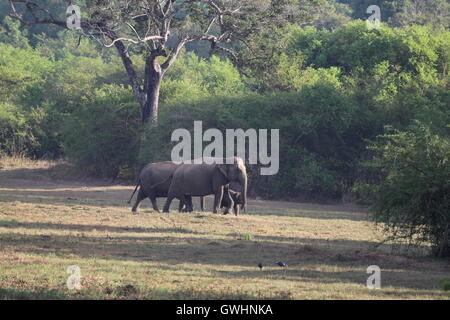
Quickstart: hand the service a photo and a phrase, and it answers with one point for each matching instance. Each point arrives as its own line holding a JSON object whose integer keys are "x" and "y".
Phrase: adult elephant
{"x": 208, "y": 177}
{"x": 153, "y": 182}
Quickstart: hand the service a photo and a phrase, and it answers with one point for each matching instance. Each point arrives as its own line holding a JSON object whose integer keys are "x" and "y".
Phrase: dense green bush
{"x": 413, "y": 199}
{"x": 192, "y": 78}
{"x": 15, "y": 134}
{"x": 23, "y": 72}
{"x": 314, "y": 155}
{"x": 39, "y": 92}
{"x": 101, "y": 135}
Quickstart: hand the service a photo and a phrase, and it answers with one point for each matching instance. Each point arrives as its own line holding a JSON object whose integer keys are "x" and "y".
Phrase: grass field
{"x": 47, "y": 225}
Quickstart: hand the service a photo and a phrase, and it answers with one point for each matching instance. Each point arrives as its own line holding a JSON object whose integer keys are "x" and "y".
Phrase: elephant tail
{"x": 138, "y": 184}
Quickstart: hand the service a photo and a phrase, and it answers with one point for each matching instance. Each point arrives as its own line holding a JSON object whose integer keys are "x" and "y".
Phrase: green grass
{"x": 48, "y": 225}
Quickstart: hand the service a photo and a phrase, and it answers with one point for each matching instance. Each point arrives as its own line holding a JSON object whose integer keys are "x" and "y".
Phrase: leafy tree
{"x": 403, "y": 13}
{"x": 10, "y": 33}
{"x": 23, "y": 73}
{"x": 328, "y": 14}
{"x": 87, "y": 108}
{"x": 413, "y": 200}
{"x": 388, "y": 8}
{"x": 20, "y": 69}
{"x": 192, "y": 78}
{"x": 160, "y": 29}
{"x": 422, "y": 12}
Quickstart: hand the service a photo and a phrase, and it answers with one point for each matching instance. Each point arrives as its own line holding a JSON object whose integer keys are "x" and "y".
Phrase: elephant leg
{"x": 154, "y": 203}
{"x": 202, "y": 203}
{"x": 217, "y": 200}
{"x": 187, "y": 201}
{"x": 181, "y": 206}
{"x": 140, "y": 196}
{"x": 189, "y": 205}
{"x": 235, "y": 197}
{"x": 167, "y": 204}
{"x": 236, "y": 208}
{"x": 224, "y": 203}
{"x": 185, "y": 204}
{"x": 230, "y": 204}
{"x": 228, "y": 200}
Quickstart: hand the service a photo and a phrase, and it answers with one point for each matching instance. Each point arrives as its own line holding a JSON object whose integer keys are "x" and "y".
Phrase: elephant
{"x": 208, "y": 177}
{"x": 154, "y": 181}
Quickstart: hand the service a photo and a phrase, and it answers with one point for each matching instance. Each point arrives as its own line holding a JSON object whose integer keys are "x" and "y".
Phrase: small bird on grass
{"x": 260, "y": 266}
{"x": 282, "y": 264}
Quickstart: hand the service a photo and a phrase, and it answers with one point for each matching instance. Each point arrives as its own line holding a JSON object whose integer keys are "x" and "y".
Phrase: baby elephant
{"x": 237, "y": 200}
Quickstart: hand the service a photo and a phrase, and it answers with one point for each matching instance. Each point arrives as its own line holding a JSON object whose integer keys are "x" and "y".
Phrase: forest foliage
{"x": 330, "y": 85}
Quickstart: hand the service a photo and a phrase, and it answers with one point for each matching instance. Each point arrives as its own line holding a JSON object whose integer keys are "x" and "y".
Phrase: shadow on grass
{"x": 100, "y": 199}
{"x": 38, "y": 294}
{"x": 187, "y": 247}
{"x": 119, "y": 198}
{"x": 308, "y": 210}
{"x": 89, "y": 228}
{"x": 126, "y": 292}
{"x": 97, "y": 198}
{"x": 391, "y": 279}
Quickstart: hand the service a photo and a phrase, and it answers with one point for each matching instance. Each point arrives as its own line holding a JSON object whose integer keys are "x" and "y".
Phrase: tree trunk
{"x": 148, "y": 96}
{"x": 152, "y": 85}
{"x": 128, "y": 64}
{"x": 150, "y": 103}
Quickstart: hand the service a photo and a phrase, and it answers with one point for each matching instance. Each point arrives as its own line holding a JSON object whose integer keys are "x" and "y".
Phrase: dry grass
{"x": 48, "y": 225}
{"x": 20, "y": 161}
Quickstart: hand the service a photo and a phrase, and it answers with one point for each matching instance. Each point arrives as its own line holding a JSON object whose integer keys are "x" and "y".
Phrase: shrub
{"x": 312, "y": 123}
{"x": 15, "y": 133}
{"x": 413, "y": 201}
{"x": 101, "y": 136}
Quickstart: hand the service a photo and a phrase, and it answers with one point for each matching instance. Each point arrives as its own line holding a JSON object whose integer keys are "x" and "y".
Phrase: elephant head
{"x": 236, "y": 172}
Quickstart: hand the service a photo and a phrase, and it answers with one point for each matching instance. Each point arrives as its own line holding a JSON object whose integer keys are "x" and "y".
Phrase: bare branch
{"x": 150, "y": 38}
{"x": 210, "y": 24}
{"x": 168, "y": 6}
{"x": 29, "y": 5}
{"x": 175, "y": 52}
{"x": 128, "y": 64}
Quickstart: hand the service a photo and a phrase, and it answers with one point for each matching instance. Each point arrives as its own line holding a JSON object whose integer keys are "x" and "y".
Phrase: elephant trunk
{"x": 244, "y": 192}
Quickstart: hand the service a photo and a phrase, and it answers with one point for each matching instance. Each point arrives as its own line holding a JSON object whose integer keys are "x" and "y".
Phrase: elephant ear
{"x": 223, "y": 169}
